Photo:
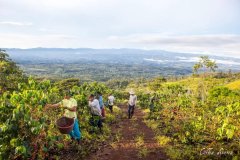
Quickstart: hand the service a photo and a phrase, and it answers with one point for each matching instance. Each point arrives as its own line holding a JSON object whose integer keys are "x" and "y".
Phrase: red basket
{"x": 65, "y": 125}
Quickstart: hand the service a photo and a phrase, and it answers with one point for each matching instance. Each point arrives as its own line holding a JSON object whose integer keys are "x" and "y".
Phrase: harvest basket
{"x": 65, "y": 125}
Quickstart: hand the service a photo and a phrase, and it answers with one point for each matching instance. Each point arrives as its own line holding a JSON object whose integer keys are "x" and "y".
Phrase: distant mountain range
{"x": 181, "y": 62}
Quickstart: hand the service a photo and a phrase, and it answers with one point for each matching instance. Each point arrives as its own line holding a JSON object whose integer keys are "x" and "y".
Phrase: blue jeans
{"x": 75, "y": 133}
{"x": 130, "y": 111}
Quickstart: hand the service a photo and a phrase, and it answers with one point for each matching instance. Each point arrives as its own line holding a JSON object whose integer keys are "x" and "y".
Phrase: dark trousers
{"x": 130, "y": 111}
{"x": 96, "y": 121}
{"x": 111, "y": 108}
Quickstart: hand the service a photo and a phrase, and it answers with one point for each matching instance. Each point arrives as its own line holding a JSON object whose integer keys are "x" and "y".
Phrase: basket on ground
{"x": 65, "y": 125}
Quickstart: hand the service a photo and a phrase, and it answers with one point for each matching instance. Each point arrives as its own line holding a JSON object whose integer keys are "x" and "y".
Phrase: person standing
{"x": 111, "y": 102}
{"x": 100, "y": 99}
{"x": 95, "y": 111}
{"x": 70, "y": 106}
{"x": 152, "y": 104}
{"x": 131, "y": 104}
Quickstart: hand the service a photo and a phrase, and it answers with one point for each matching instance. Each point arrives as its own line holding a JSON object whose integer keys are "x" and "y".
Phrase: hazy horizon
{"x": 193, "y": 53}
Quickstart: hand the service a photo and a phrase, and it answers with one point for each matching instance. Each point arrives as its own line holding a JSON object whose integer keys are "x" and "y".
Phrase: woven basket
{"x": 65, "y": 125}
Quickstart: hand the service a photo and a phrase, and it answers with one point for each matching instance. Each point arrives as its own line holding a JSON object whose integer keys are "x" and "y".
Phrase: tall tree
{"x": 205, "y": 63}
{"x": 196, "y": 67}
{"x": 10, "y": 74}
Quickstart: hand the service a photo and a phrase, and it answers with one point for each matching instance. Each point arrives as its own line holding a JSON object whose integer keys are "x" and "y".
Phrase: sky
{"x": 194, "y": 26}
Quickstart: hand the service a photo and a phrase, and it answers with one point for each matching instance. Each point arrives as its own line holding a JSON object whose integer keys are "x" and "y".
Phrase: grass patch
{"x": 139, "y": 141}
{"x": 142, "y": 149}
{"x": 162, "y": 140}
{"x": 234, "y": 85}
{"x": 152, "y": 124}
{"x": 143, "y": 152}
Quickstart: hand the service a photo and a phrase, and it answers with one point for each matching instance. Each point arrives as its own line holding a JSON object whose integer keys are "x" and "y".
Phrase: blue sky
{"x": 197, "y": 26}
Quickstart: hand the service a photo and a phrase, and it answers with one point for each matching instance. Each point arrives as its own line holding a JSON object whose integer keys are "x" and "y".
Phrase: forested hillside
{"x": 104, "y": 64}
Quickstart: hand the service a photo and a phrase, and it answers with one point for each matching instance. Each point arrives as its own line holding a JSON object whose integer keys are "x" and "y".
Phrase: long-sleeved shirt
{"x": 132, "y": 100}
{"x": 95, "y": 107}
{"x": 111, "y": 100}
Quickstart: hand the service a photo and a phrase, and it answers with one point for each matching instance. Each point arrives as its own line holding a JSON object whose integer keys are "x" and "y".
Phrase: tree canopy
{"x": 205, "y": 63}
{"x": 10, "y": 73}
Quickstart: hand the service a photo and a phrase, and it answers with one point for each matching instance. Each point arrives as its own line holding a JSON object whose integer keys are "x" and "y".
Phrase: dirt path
{"x": 136, "y": 141}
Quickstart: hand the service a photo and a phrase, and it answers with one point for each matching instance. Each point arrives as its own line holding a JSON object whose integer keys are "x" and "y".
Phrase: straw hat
{"x": 131, "y": 92}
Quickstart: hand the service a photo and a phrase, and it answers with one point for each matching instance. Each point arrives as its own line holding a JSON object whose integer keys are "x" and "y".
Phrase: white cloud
{"x": 11, "y": 23}
{"x": 31, "y": 41}
{"x": 225, "y": 44}
{"x": 202, "y": 40}
{"x": 193, "y": 60}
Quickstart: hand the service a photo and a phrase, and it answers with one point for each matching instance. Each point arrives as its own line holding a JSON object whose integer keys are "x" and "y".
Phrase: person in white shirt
{"x": 131, "y": 104}
{"x": 96, "y": 119}
{"x": 110, "y": 102}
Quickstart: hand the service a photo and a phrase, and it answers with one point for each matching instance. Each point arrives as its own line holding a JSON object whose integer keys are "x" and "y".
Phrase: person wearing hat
{"x": 70, "y": 106}
{"x": 131, "y": 104}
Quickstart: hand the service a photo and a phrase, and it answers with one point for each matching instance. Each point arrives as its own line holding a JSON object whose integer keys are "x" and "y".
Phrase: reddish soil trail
{"x": 126, "y": 147}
